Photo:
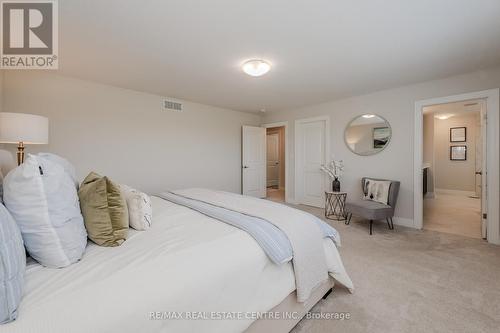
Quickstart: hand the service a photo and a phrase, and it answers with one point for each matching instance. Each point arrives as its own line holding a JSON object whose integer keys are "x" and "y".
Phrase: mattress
{"x": 185, "y": 269}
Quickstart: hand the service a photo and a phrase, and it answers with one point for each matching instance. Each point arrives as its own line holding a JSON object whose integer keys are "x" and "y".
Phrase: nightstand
{"x": 335, "y": 205}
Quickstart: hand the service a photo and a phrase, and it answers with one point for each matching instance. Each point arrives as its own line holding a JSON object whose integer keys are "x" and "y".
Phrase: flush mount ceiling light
{"x": 368, "y": 116}
{"x": 256, "y": 67}
{"x": 443, "y": 116}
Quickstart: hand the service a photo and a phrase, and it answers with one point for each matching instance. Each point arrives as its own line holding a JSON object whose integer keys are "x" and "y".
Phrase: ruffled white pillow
{"x": 12, "y": 266}
{"x": 140, "y": 210}
{"x": 42, "y": 198}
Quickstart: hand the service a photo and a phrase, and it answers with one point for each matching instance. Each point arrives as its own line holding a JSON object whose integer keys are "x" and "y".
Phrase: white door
{"x": 483, "y": 172}
{"x": 478, "y": 156}
{"x": 273, "y": 159}
{"x": 311, "y": 144}
{"x": 254, "y": 161}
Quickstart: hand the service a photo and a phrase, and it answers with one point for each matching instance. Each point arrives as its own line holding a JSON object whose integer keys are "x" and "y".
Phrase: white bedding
{"x": 304, "y": 236}
{"x": 185, "y": 262}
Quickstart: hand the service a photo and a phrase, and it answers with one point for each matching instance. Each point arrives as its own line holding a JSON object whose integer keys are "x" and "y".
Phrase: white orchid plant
{"x": 334, "y": 169}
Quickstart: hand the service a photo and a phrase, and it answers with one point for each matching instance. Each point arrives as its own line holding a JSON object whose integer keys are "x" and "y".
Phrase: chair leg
{"x": 388, "y": 223}
{"x": 348, "y": 219}
{"x": 371, "y": 223}
{"x": 392, "y": 223}
{"x": 327, "y": 293}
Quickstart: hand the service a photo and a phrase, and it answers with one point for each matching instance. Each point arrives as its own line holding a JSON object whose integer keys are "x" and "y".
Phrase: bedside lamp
{"x": 23, "y": 129}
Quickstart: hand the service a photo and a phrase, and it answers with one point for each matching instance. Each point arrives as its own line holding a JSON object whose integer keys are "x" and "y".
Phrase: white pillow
{"x": 42, "y": 198}
{"x": 12, "y": 266}
{"x": 377, "y": 190}
{"x": 68, "y": 167}
{"x": 140, "y": 211}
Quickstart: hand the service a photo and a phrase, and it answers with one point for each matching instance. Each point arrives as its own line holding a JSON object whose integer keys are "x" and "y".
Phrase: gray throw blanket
{"x": 305, "y": 236}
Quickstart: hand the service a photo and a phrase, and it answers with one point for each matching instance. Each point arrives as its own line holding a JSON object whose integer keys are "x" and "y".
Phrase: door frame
{"x": 287, "y": 173}
{"x": 327, "y": 147}
{"x": 279, "y": 158}
{"x": 492, "y": 98}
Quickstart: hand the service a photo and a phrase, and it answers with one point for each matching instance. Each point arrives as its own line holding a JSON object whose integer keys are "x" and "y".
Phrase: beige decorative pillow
{"x": 377, "y": 190}
{"x": 104, "y": 210}
{"x": 140, "y": 210}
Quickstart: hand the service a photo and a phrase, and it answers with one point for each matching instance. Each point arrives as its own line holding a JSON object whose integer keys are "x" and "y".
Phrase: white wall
{"x": 1, "y": 89}
{"x": 126, "y": 135}
{"x": 455, "y": 175}
{"x": 397, "y": 106}
{"x": 6, "y": 159}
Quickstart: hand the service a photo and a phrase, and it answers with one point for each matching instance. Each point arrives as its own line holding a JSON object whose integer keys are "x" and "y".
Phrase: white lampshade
{"x": 25, "y": 128}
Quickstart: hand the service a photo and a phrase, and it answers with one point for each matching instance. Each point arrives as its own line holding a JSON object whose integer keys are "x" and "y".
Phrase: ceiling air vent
{"x": 170, "y": 105}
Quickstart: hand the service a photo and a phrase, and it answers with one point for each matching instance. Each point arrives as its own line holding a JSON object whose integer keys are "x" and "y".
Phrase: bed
{"x": 186, "y": 269}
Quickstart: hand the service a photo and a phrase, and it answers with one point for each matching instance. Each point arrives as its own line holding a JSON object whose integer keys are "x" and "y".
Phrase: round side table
{"x": 335, "y": 205}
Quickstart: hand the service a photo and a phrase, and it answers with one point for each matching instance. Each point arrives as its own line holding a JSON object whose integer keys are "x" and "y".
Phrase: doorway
{"x": 490, "y": 184}
{"x": 254, "y": 162}
{"x": 275, "y": 163}
{"x": 454, "y": 137}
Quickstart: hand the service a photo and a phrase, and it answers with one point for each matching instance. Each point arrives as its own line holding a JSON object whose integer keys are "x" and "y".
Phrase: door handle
{"x": 277, "y": 163}
{"x": 479, "y": 172}
{"x": 245, "y": 167}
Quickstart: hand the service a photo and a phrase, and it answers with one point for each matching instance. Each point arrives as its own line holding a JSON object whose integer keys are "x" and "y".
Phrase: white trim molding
{"x": 287, "y": 162}
{"x": 430, "y": 195}
{"x": 454, "y": 192}
{"x": 404, "y": 222}
{"x": 492, "y": 98}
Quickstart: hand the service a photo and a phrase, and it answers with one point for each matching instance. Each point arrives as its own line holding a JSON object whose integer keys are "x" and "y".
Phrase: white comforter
{"x": 301, "y": 229}
{"x": 185, "y": 262}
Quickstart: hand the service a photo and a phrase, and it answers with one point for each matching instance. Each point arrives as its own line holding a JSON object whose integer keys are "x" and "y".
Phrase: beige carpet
{"x": 275, "y": 194}
{"x": 454, "y": 214}
{"x": 412, "y": 281}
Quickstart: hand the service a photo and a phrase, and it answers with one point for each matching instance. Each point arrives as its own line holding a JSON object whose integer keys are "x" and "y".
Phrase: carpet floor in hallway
{"x": 453, "y": 213}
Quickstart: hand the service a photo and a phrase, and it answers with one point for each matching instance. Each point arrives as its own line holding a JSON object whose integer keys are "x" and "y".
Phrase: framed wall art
{"x": 458, "y": 153}
{"x": 458, "y": 134}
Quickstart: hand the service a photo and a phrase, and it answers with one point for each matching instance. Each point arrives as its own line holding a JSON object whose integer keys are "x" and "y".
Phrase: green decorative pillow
{"x": 104, "y": 210}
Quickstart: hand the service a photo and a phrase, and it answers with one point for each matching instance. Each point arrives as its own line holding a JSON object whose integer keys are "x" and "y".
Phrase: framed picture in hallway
{"x": 458, "y": 153}
{"x": 458, "y": 134}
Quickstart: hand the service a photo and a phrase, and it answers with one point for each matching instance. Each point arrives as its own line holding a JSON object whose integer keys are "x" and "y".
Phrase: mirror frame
{"x": 376, "y": 152}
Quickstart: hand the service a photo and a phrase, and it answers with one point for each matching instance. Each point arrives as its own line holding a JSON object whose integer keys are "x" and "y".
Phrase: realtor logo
{"x": 29, "y": 35}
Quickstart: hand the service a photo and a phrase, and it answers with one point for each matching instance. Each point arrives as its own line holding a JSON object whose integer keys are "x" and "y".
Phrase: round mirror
{"x": 367, "y": 134}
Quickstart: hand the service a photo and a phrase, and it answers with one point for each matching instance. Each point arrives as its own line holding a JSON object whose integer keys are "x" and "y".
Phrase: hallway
{"x": 453, "y": 213}
{"x": 275, "y": 194}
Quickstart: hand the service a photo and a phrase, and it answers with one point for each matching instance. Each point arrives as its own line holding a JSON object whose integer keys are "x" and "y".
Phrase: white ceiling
{"x": 320, "y": 50}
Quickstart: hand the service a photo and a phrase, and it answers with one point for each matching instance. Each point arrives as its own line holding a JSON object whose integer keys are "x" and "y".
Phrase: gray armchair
{"x": 372, "y": 210}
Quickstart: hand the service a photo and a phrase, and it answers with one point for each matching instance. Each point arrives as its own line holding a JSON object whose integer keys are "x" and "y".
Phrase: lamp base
{"x": 20, "y": 153}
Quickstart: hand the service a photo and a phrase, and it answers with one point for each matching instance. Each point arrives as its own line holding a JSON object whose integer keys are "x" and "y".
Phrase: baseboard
{"x": 495, "y": 241}
{"x": 404, "y": 222}
{"x": 430, "y": 195}
{"x": 456, "y": 192}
